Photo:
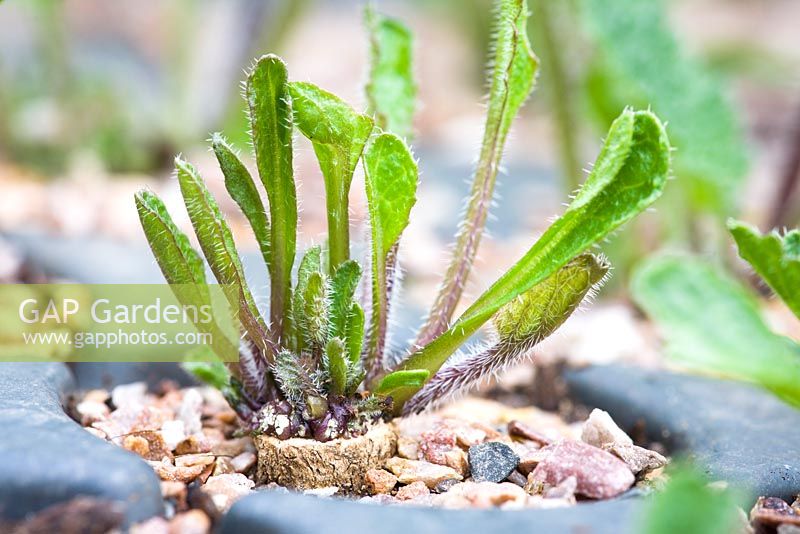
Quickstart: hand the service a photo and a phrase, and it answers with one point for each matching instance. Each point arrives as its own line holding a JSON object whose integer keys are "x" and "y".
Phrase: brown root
{"x": 300, "y": 463}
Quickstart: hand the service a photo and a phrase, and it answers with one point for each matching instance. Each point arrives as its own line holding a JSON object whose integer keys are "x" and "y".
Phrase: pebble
{"x": 638, "y": 459}
{"x": 233, "y": 447}
{"x": 327, "y": 491}
{"x": 518, "y": 429}
{"x": 445, "y": 485}
{"x": 436, "y": 443}
{"x": 492, "y": 461}
{"x": 226, "y": 489}
{"x": 489, "y": 494}
{"x": 565, "y": 490}
{"x": 166, "y": 470}
{"x": 173, "y": 433}
{"x": 601, "y": 430}
{"x": 409, "y": 471}
{"x": 599, "y": 474}
{"x": 772, "y": 511}
{"x": 412, "y": 491}
{"x": 243, "y": 462}
{"x": 91, "y": 411}
{"x": 147, "y": 444}
{"x": 408, "y": 448}
{"x": 129, "y": 395}
{"x": 191, "y": 522}
{"x": 380, "y": 481}
{"x": 457, "y": 459}
{"x": 195, "y": 444}
{"x": 190, "y": 411}
{"x": 154, "y": 525}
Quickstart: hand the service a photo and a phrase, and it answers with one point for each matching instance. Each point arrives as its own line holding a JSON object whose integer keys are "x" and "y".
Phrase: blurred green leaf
{"x": 338, "y": 135}
{"x": 776, "y": 259}
{"x": 391, "y": 90}
{"x": 688, "y": 505}
{"x": 215, "y": 374}
{"x": 645, "y": 66}
{"x": 712, "y": 324}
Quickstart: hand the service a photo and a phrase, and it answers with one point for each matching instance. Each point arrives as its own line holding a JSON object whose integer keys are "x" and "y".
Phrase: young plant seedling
{"x": 317, "y": 365}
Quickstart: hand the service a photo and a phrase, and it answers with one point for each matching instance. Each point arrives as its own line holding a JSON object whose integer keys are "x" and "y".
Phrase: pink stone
{"x": 599, "y": 474}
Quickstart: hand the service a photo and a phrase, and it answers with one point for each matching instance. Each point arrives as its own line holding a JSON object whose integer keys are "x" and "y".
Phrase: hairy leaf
{"x": 391, "y": 90}
{"x": 402, "y": 381}
{"x": 354, "y": 333}
{"x": 628, "y": 176}
{"x": 219, "y": 249}
{"x": 776, "y": 259}
{"x": 269, "y": 104}
{"x": 512, "y": 80}
{"x": 294, "y": 377}
{"x": 179, "y": 262}
{"x": 243, "y": 190}
{"x": 336, "y": 366}
{"x": 711, "y": 324}
{"x": 311, "y": 263}
{"x": 338, "y": 135}
{"x": 315, "y": 327}
{"x": 643, "y": 59}
{"x": 343, "y": 287}
{"x": 391, "y": 185}
{"x": 520, "y": 324}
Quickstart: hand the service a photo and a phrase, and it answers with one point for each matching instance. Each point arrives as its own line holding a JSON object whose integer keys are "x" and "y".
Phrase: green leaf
{"x": 401, "y": 381}
{"x": 179, "y": 262}
{"x": 391, "y": 186}
{"x": 776, "y": 259}
{"x": 315, "y": 327}
{"x": 270, "y": 109}
{"x": 336, "y": 366}
{"x": 343, "y": 287}
{"x": 338, "y": 135}
{"x": 512, "y": 80}
{"x": 520, "y": 325}
{"x": 645, "y": 61}
{"x": 628, "y": 176}
{"x": 242, "y": 188}
{"x": 219, "y": 249}
{"x": 354, "y": 333}
{"x": 711, "y": 324}
{"x": 391, "y": 90}
{"x": 689, "y": 505}
{"x": 215, "y": 374}
{"x": 538, "y": 312}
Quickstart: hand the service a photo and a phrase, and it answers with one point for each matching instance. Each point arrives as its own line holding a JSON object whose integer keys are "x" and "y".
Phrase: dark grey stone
{"x": 47, "y": 458}
{"x": 271, "y": 512}
{"x": 734, "y": 431}
{"x": 492, "y": 461}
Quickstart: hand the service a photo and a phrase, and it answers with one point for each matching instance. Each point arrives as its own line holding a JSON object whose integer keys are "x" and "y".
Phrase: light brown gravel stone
{"x": 194, "y": 444}
{"x": 154, "y": 525}
{"x": 531, "y": 459}
{"x": 226, "y": 489}
{"x": 91, "y": 411}
{"x": 233, "y": 447}
{"x": 772, "y": 511}
{"x": 223, "y": 466}
{"x": 166, "y": 470}
{"x": 412, "y": 491}
{"x": 243, "y": 462}
{"x": 639, "y": 460}
{"x": 601, "y": 430}
{"x": 458, "y": 460}
{"x": 147, "y": 444}
{"x": 191, "y": 522}
{"x": 408, "y": 448}
{"x": 518, "y": 429}
{"x": 488, "y": 494}
{"x": 435, "y": 443}
{"x": 380, "y": 481}
{"x": 600, "y": 475}
{"x": 409, "y": 471}
{"x": 190, "y": 460}
{"x": 171, "y": 489}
